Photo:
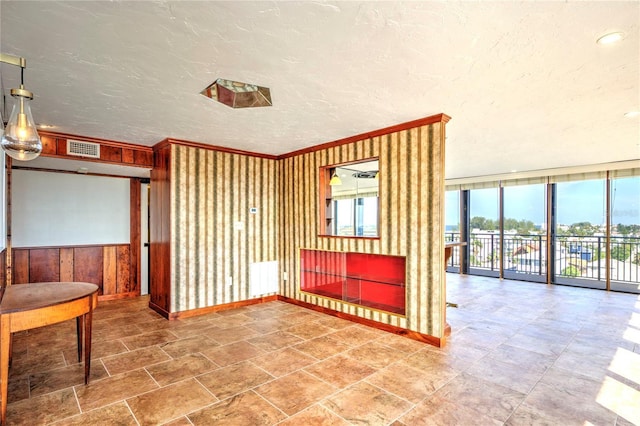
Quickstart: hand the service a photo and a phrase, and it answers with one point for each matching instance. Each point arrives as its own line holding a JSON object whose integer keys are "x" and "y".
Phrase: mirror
{"x": 350, "y": 199}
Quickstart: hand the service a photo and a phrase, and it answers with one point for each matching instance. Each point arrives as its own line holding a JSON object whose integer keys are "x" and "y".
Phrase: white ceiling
{"x": 526, "y": 85}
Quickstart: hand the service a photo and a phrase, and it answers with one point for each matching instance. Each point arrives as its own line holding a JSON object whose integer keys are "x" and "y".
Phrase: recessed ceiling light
{"x": 632, "y": 114}
{"x": 513, "y": 171}
{"x": 610, "y": 38}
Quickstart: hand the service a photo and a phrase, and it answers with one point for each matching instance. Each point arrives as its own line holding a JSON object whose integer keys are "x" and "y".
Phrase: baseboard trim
{"x": 424, "y": 338}
{"x": 217, "y": 308}
{"x": 129, "y": 295}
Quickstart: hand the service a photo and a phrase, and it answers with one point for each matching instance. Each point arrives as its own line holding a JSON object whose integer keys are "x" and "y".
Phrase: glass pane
{"x": 452, "y": 226}
{"x": 344, "y": 215}
{"x": 484, "y": 231}
{"x": 580, "y": 233}
{"x": 625, "y": 234}
{"x": 525, "y": 230}
{"x": 367, "y": 215}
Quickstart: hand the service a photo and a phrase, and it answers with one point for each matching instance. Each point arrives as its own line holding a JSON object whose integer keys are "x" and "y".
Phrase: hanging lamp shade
{"x": 20, "y": 139}
{"x": 335, "y": 180}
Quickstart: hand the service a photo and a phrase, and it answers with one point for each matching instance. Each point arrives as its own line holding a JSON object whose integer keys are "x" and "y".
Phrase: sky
{"x": 581, "y": 201}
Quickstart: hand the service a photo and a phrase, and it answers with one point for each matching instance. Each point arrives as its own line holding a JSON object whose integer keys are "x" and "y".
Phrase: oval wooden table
{"x": 27, "y": 306}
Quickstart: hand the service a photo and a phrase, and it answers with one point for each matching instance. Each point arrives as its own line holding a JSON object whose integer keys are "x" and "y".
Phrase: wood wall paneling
{"x": 124, "y": 273}
{"x": 44, "y": 265}
{"x": 66, "y": 264}
{"x": 132, "y": 282}
{"x": 88, "y": 265}
{"x": 111, "y": 154}
{"x": 109, "y": 272}
{"x": 49, "y": 145}
{"x": 107, "y": 266}
{"x": 160, "y": 253}
{"x": 20, "y": 266}
{"x": 55, "y": 145}
{"x": 3, "y": 268}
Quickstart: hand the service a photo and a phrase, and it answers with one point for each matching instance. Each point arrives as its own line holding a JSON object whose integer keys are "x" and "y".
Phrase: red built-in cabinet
{"x": 372, "y": 280}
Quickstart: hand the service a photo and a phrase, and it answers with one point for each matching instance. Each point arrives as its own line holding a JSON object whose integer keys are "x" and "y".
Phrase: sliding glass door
{"x": 580, "y": 255}
{"x": 525, "y": 239}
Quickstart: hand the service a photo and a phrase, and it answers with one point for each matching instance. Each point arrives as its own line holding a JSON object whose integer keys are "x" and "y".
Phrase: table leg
{"x": 5, "y": 338}
{"x": 79, "y": 332}
{"x": 87, "y": 345}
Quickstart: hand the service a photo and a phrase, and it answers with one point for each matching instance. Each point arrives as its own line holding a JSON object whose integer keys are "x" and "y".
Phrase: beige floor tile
{"x": 245, "y": 409}
{"x": 407, "y": 382}
{"x": 309, "y": 330}
{"x": 492, "y": 400}
{"x": 232, "y": 353}
{"x": 322, "y": 347}
{"x": 43, "y": 409}
{"x": 374, "y": 354}
{"x": 189, "y": 345}
{"x": 115, "y": 388}
{"x": 232, "y": 334}
{"x": 367, "y": 404}
{"x": 315, "y": 415}
{"x": 441, "y": 411}
{"x": 148, "y": 339}
{"x": 179, "y": 369}
{"x": 133, "y": 360}
{"x": 283, "y": 362}
{"x": 234, "y": 379}
{"x": 65, "y": 377}
{"x": 274, "y": 341}
{"x": 340, "y": 370}
{"x": 170, "y": 402}
{"x": 295, "y": 392}
{"x": 356, "y": 335}
{"x": 116, "y": 414}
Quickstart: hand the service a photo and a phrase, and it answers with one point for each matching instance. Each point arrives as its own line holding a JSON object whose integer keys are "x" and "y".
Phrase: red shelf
{"x": 372, "y": 280}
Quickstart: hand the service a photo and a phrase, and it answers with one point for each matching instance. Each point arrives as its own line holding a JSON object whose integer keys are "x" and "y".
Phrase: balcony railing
{"x": 575, "y": 256}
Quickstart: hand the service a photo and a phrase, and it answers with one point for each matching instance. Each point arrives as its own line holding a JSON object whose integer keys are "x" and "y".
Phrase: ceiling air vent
{"x": 83, "y": 149}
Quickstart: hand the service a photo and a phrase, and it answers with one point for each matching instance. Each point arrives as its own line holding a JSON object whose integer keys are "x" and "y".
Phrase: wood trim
{"x": 106, "y": 142}
{"x": 224, "y": 307}
{"x": 129, "y": 295}
{"x": 438, "y": 118}
{"x": 71, "y": 247}
{"x": 134, "y": 235}
{"x": 160, "y": 232}
{"x": 169, "y": 141}
{"x": 414, "y": 335}
{"x": 160, "y": 310}
{"x": 38, "y": 169}
{"x": 112, "y": 152}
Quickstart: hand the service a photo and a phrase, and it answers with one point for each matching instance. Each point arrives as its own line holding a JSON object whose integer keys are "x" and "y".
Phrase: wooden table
{"x": 27, "y": 306}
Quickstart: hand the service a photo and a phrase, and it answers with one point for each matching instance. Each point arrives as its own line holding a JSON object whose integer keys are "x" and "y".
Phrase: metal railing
{"x": 579, "y": 257}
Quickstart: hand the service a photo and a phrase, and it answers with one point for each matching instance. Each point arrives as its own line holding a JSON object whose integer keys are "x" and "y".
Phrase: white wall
{"x": 58, "y": 209}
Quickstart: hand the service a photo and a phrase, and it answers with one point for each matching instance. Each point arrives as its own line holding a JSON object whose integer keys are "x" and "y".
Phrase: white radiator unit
{"x": 83, "y": 149}
{"x": 263, "y": 278}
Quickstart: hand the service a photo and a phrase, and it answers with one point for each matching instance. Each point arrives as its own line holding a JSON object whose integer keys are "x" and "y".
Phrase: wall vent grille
{"x": 83, "y": 149}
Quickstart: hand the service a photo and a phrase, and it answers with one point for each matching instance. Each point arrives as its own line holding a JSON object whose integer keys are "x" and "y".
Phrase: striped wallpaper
{"x": 411, "y": 220}
{"x": 211, "y": 193}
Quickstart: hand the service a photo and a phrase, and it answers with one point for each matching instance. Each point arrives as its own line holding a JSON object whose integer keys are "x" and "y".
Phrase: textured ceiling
{"x": 526, "y": 85}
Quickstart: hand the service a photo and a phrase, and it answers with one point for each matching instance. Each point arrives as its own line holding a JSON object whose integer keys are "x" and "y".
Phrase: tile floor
{"x": 520, "y": 354}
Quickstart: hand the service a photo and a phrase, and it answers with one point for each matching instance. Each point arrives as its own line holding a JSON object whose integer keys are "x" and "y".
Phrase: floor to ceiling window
{"x": 452, "y": 227}
{"x": 576, "y": 229}
{"x": 580, "y": 242}
{"x": 625, "y": 233}
{"x": 525, "y": 239}
{"x": 484, "y": 229}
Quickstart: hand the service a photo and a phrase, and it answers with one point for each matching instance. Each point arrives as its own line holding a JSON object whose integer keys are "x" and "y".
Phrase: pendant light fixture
{"x": 335, "y": 180}
{"x": 20, "y": 139}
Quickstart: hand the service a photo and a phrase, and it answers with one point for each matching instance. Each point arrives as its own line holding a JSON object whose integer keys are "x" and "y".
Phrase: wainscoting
{"x": 108, "y": 266}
